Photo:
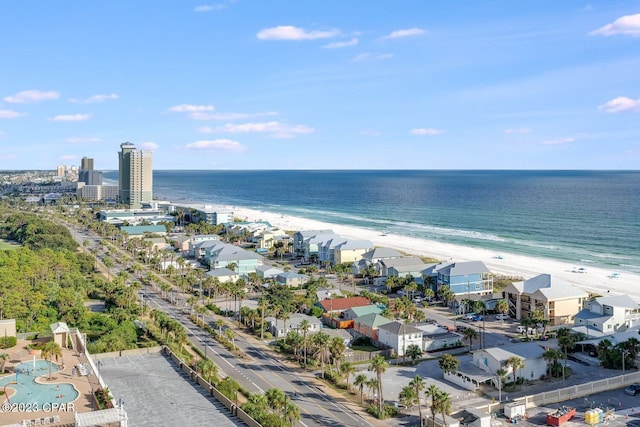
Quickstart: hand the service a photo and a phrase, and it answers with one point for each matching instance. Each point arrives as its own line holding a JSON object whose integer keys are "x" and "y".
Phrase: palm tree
{"x": 208, "y": 369}
{"x": 219, "y": 324}
{"x": 346, "y": 370}
{"x": 470, "y": 334}
{"x": 408, "y": 397}
{"x": 321, "y": 342}
{"x": 337, "y": 348}
{"x": 360, "y": 381}
{"x": 418, "y": 384}
{"x": 372, "y": 385}
{"x": 50, "y": 350}
{"x": 305, "y": 326}
{"x": 262, "y": 305}
{"x": 551, "y": 356}
{"x": 231, "y": 336}
{"x": 379, "y": 365}
{"x": 443, "y": 404}
{"x": 432, "y": 392}
{"x": 449, "y": 364}
{"x": 502, "y": 307}
{"x": 515, "y": 363}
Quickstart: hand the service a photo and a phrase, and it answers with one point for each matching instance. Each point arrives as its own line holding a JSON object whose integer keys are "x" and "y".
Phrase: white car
{"x": 468, "y": 316}
{"x": 501, "y": 316}
{"x": 417, "y": 300}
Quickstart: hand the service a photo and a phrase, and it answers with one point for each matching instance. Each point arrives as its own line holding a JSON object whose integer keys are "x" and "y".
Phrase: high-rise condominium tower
{"x": 87, "y": 174}
{"x": 135, "y": 177}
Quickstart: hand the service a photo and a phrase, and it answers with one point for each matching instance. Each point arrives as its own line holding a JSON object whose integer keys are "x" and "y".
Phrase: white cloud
{"x": 8, "y": 114}
{"x": 188, "y": 108}
{"x": 29, "y": 96}
{"x": 558, "y": 141}
{"x": 370, "y": 132}
{"x": 426, "y": 131}
{"x": 216, "y": 144}
{"x": 70, "y": 118}
{"x": 95, "y": 99}
{"x": 83, "y": 140}
{"x": 337, "y": 45}
{"x": 288, "y": 32}
{"x": 404, "y": 33}
{"x": 517, "y": 131}
{"x": 213, "y": 7}
{"x": 371, "y": 57}
{"x": 628, "y": 25}
{"x": 149, "y": 145}
{"x": 229, "y": 116}
{"x": 621, "y": 103}
{"x": 274, "y": 129}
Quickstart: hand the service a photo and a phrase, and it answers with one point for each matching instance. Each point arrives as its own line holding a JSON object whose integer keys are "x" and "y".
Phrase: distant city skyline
{"x": 247, "y": 84}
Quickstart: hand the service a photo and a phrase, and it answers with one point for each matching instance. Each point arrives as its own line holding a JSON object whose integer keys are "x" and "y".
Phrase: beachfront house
{"x": 209, "y": 214}
{"x": 351, "y": 250}
{"x": 608, "y": 315}
{"x": 401, "y": 267}
{"x": 465, "y": 279}
{"x": 399, "y": 336}
{"x": 559, "y": 300}
{"x": 305, "y": 243}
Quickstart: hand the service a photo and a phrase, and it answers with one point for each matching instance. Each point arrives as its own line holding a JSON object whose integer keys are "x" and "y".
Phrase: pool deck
{"x": 83, "y": 384}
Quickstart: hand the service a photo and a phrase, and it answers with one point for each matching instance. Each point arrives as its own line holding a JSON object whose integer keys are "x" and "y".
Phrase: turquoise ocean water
{"x": 581, "y": 217}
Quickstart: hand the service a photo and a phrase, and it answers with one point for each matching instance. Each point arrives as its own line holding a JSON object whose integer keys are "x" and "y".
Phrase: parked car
{"x": 633, "y": 389}
{"x": 417, "y": 300}
{"x": 520, "y": 329}
{"x": 468, "y": 316}
{"x": 477, "y": 318}
{"x": 501, "y": 316}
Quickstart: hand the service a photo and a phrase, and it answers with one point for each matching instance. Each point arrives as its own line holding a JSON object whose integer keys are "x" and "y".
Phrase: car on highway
{"x": 633, "y": 389}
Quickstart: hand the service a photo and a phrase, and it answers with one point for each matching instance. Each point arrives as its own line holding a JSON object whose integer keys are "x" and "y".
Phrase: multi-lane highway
{"x": 259, "y": 370}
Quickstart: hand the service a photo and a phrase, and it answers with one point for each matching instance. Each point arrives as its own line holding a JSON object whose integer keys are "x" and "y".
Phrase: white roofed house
{"x": 281, "y": 327}
{"x": 268, "y": 271}
{"x": 402, "y": 267}
{"x": 224, "y": 254}
{"x": 311, "y": 244}
{"x": 399, "y": 336}
{"x": 491, "y": 359}
{"x": 372, "y": 257}
{"x": 299, "y": 238}
{"x": 351, "y": 250}
{"x": 559, "y": 300}
{"x": 223, "y": 274}
{"x": 608, "y": 315}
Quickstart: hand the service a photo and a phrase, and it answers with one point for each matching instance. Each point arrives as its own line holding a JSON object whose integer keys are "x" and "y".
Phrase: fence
{"x": 575, "y": 391}
{"x": 363, "y": 356}
{"x": 197, "y": 378}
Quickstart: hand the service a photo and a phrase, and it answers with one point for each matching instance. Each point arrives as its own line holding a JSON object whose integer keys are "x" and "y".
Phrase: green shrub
{"x": 8, "y": 342}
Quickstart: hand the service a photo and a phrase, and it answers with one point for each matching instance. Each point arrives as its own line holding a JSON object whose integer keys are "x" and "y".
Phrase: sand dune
{"x": 595, "y": 280}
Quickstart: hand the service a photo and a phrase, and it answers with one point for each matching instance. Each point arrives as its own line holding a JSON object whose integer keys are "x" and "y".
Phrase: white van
{"x": 520, "y": 329}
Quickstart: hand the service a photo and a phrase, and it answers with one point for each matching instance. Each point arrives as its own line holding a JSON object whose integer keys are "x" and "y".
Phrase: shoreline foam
{"x": 596, "y": 280}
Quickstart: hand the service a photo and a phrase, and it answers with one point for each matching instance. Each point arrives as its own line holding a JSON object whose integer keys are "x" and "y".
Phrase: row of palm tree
{"x": 439, "y": 400}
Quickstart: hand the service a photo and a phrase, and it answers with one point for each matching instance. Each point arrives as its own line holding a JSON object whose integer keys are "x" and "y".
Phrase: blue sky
{"x": 332, "y": 84}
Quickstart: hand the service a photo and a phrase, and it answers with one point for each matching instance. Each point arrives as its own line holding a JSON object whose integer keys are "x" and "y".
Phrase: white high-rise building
{"x": 135, "y": 177}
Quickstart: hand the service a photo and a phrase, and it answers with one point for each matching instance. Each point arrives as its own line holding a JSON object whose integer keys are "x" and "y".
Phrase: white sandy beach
{"x": 595, "y": 280}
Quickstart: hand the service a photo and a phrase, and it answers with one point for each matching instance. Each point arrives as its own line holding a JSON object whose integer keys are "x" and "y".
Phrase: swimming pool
{"x": 29, "y": 391}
